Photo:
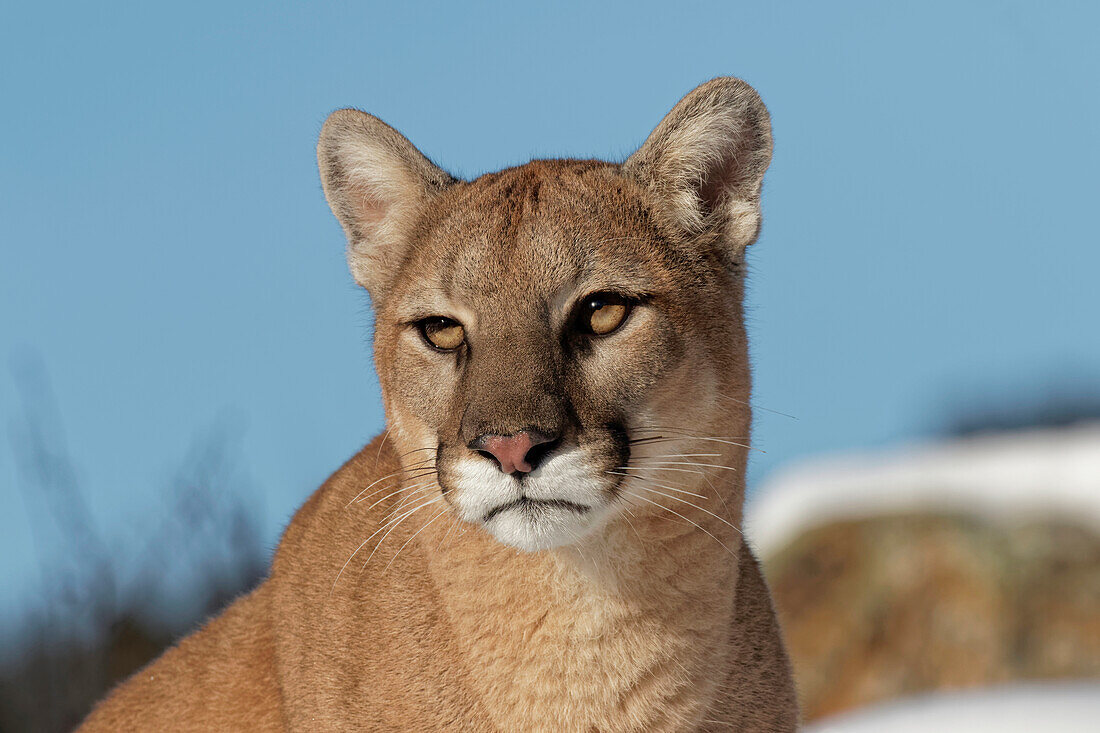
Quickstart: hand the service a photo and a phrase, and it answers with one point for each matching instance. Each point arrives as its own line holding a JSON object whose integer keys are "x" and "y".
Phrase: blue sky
{"x": 929, "y": 232}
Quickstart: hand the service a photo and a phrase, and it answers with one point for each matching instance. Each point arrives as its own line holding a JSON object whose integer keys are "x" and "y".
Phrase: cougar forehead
{"x": 515, "y": 236}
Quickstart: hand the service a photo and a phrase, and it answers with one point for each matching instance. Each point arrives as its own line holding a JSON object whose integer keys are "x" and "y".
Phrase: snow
{"x": 1052, "y": 708}
{"x": 1051, "y": 473}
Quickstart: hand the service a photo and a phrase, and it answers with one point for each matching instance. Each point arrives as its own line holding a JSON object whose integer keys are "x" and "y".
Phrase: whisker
{"x": 437, "y": 516}
{"x": 655, "y": 439}
{"x": 665, "y": 468}
{"x": 678, "y": 455}
{"x": 690, "y": 463}
{"x": 377, "y": 481}
{"x": 393, "y": 525}
{"x": 451, "y": 529}
{"x": 399, "y": 484}
{"x": 410, "y": 498}
{"x": 643, "y": 478}
{"x": 681, "y": 516}
{"x": 418, "y": 487}
{"x": 706, "y": 438}
{"x": 755, "y": 406}
{"x": 694, "y": 506}
{"x": 378, "y": 455}
{"x": 630, "y": 515}
{"x": 342, "y": 569}
{"x": 417, "y": 450}
{"x": 684, "y": 431}
{"x": 357, "y": 549}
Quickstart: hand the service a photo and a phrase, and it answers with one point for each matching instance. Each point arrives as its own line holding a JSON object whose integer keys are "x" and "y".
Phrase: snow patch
{"x": 1052, "y": 708}
{"x": 1050, "y": 473}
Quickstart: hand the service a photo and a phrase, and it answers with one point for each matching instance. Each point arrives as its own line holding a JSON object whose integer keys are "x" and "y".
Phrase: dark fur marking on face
{"x": 443, "y": 488}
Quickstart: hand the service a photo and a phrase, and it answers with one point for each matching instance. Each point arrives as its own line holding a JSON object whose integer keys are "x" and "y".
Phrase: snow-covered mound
{"x": 1055, "y": 708}
{"x": 1048, "y": 473}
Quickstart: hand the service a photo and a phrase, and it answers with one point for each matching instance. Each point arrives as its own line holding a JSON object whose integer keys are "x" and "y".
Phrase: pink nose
{"x": 511, "y": 450}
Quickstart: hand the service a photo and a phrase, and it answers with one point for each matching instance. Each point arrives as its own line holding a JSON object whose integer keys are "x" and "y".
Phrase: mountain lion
{"x": 546, "y": 537}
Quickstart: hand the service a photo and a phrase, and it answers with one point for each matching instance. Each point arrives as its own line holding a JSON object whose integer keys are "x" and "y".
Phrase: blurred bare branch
{"x": 98, "y": 620}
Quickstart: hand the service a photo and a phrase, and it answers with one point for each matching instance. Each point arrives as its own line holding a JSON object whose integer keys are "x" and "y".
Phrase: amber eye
{"x": 602, "y": 313}
{"x": 442, "y": 333}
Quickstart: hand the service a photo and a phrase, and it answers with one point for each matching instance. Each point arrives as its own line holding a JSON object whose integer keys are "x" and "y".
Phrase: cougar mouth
{"x": 567, "y": 496}
{"x": 529, "y": 505}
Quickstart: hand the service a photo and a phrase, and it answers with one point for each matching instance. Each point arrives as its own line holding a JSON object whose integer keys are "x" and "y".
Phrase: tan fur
{"x": 641, "y": 611}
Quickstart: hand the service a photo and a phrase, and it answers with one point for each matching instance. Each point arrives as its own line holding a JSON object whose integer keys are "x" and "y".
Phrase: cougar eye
{"x": 442, "y": 333}
{"x": 602, "y": 313}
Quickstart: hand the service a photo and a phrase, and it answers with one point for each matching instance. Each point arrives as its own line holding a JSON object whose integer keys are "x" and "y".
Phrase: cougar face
{"x": 568, "y": 317}
{"x": 537, "y": 328}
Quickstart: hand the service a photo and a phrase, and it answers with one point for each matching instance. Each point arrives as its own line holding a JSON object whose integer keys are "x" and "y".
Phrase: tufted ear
{"x": 705, "y": 161}
{"x": 376, "y": 183}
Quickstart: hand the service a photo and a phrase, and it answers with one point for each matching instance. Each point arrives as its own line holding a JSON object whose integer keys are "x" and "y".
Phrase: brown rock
{"x": 887, "y": 606}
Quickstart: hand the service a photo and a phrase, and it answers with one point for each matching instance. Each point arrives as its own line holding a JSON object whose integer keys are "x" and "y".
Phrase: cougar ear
{"x": 376, "y": 182}
{"x": 705, "y": 161}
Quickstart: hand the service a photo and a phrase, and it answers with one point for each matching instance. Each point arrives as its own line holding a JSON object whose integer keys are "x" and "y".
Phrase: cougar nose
{"x": 516, "y": 452}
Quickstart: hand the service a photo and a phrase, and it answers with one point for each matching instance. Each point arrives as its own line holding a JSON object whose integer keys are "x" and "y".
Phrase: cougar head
{"x": 545, "y": 334}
